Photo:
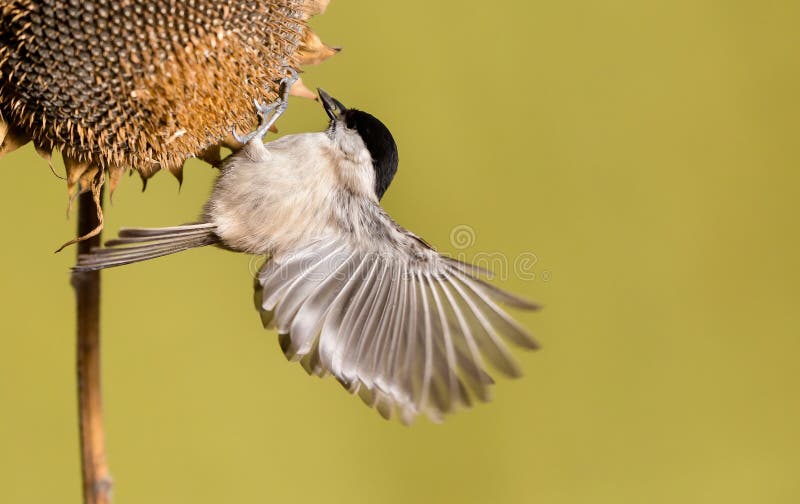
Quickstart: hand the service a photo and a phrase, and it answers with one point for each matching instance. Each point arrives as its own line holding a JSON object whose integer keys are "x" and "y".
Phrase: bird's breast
{"x": 274, "y": 197}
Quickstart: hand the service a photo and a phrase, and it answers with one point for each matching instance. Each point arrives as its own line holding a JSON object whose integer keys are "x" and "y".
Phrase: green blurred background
{"x": 645, "y": 152}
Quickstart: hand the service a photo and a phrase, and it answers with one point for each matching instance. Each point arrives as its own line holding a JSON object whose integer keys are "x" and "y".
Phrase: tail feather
{"x": 141, "y": 244}
{"x": 165, "y": 231}
{"x": 125, "y": 237}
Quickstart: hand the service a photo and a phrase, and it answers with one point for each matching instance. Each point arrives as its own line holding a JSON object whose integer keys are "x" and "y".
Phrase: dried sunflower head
{"x": 118, "y": 85}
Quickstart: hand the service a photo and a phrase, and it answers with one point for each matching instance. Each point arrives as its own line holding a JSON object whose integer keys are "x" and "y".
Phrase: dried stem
{"x": 96, "y": 479}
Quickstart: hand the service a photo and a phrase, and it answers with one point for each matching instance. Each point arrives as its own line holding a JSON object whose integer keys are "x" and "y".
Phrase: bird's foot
{"x": 270, "y": 112}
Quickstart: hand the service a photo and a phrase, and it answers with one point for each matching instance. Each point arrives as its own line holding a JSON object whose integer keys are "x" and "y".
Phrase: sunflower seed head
{"x": 143, "y": 84}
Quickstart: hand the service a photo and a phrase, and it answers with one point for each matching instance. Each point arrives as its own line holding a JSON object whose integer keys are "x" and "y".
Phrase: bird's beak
{"x": 332, "y": 106}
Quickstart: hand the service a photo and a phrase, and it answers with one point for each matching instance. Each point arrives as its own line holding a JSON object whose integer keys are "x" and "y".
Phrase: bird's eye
{"x": 350, "y": 120}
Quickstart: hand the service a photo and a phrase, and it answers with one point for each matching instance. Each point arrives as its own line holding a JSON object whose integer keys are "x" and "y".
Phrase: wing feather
{"x": 405, "y": 329}
{"x": 347, "y": 340}
{"x": 372, "y": 362}
{"x": 303, "y": 286}
{"x": 332, "y": 334}
{"x": 451, "y": 380}
{"x": 355, "y": 362}
{"x": 508, "y": 327}
{"x": 278, "y": 274}
{"x": 309, "y": 318}
{"x": 470, "y": 358}
{"x": 386, "y": 357}
{"x": 491, "y": 346}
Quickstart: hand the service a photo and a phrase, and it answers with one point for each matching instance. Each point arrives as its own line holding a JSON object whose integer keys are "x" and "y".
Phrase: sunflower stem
{"x": 96, "y": 478}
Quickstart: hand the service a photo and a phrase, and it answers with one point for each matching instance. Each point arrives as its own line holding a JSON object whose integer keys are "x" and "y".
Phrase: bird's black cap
{"x": 376, "y": 137}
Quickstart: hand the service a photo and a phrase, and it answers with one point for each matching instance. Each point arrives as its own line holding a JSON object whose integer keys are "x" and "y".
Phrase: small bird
{"x": 351, "y": 293}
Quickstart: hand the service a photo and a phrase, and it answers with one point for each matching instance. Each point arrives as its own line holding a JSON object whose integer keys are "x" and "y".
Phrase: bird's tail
{"x": 140, "y": 244}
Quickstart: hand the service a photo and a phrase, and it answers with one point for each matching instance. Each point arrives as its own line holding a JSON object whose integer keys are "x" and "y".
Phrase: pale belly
{"x": 267, "y": 199}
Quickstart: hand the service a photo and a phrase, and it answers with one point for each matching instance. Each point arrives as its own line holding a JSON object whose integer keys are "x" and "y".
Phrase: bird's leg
{"x": 270, "y": 112}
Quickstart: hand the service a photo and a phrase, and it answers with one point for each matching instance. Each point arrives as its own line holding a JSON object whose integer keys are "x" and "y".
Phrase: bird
{"x": 351, "y": 293}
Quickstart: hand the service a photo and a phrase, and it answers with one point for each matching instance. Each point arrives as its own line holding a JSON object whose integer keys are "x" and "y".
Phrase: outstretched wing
{"x": 407, "y": 329}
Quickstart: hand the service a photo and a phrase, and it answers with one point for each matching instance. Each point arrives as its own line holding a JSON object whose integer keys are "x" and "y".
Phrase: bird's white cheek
{"x": 353, "y": 163}
{"x": 356, "y": 178}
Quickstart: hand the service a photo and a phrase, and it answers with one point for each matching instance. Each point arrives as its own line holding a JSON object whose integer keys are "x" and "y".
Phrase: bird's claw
{"x": 270, "y": 112}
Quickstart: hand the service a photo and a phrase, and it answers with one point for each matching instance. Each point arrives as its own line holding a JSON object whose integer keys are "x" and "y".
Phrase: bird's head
{"x": 359, "y": 133}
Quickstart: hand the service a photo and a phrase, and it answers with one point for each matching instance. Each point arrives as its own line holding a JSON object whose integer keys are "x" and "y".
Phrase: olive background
{"x": 633, "y": 166}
